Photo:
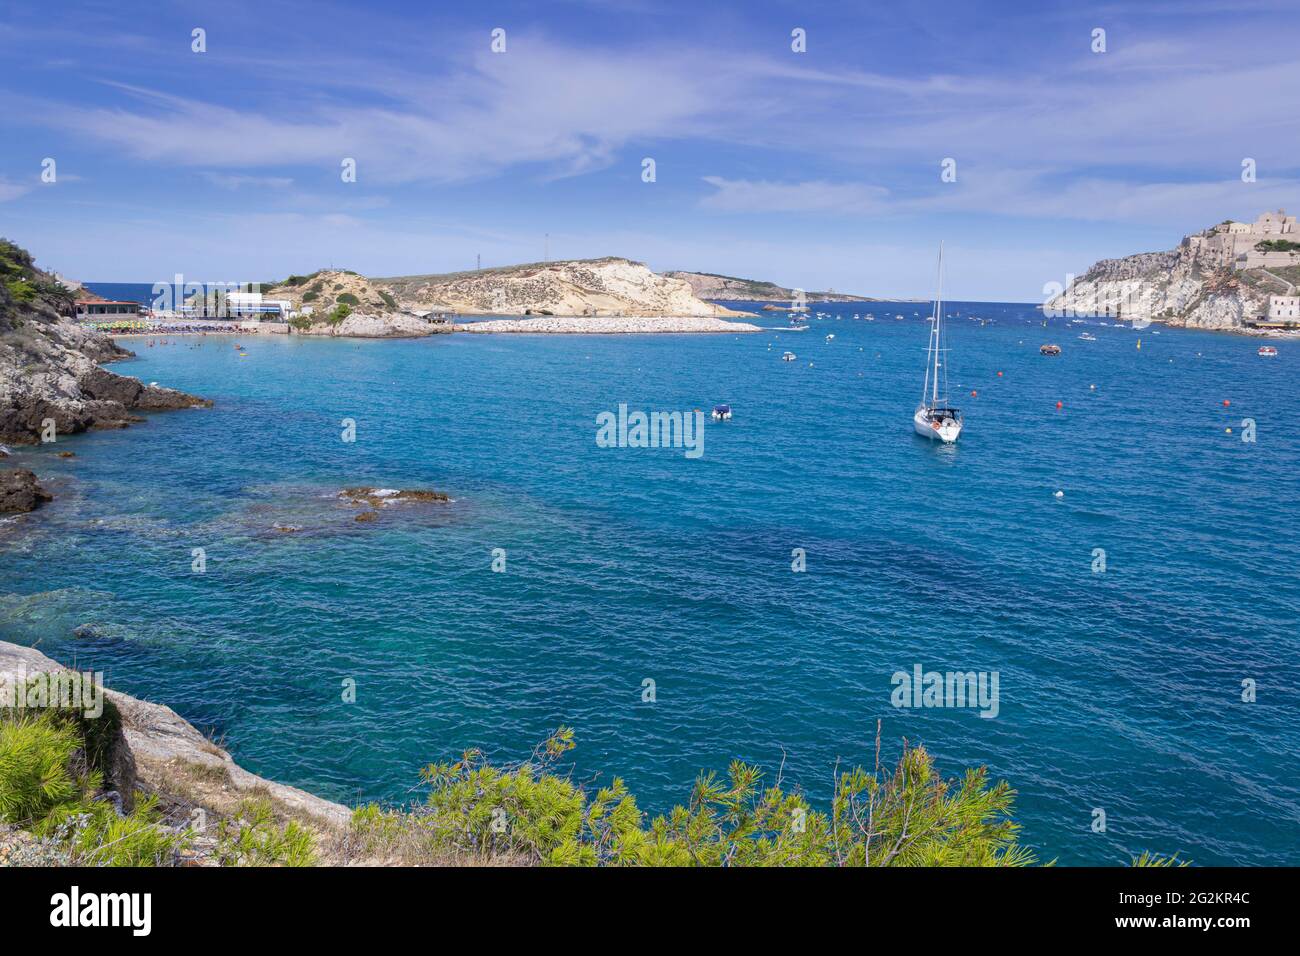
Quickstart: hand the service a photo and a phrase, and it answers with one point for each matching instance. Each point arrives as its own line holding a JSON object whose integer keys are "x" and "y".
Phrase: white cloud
{"x": 234, "y": 181}
{"x": 743, "y": 195}
{"x": 1019, "y": 193}
{"x": 12, "y": 190}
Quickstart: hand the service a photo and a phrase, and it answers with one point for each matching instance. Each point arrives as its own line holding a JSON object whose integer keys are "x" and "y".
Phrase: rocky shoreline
{"x": 51, "y": 381}
{"x": 156, "y": 753}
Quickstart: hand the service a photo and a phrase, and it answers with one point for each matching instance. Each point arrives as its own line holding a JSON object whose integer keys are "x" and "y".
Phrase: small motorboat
{"x": 787, "y": 356}
{"x": 1049, "y": 349}
{"x": 721, "y": 413}
{"x": 1267, "y": 351}
{"x": 830, "y": 337}
{"x": 1088, "y": 337}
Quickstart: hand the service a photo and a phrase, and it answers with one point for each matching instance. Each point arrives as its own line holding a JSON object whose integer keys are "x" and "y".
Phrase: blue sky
{"x": 816, "y": 169}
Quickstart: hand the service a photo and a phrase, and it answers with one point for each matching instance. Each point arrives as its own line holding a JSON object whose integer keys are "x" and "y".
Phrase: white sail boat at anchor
{"x": 935, "y": 417}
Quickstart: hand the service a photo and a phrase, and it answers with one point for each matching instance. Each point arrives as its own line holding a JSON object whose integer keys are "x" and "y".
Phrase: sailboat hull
{"x": 946, "y": 431}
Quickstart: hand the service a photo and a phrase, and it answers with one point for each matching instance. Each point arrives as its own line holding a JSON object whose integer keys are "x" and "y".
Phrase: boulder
{"x": 20, "y": 492}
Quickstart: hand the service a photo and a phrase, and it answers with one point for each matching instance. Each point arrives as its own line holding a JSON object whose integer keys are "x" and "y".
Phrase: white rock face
{"x": 588, "y": 287}
{"x": 367, "y": 326}
{"x": 1178, "y": 288}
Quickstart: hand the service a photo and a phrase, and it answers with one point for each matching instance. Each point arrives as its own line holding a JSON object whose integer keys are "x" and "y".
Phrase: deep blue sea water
{"x": 1119, "y": 690}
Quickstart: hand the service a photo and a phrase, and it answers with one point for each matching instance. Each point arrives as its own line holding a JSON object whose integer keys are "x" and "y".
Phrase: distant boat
{"x": 934, "y": 416}
{"x": 1049, "y": 349}
{"x": 1088, "y": 337}
{"x": 787, "y": 356}
{"x": 1267, "y": 351}
{"x": 721, "y": 413}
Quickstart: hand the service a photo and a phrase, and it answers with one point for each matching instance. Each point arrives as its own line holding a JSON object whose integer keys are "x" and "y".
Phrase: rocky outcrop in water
{"x": 390, "y": 325}
{"x": 20, "y": 492}
{"x": 380, "y": 497}
{"x": 51, "y": 383}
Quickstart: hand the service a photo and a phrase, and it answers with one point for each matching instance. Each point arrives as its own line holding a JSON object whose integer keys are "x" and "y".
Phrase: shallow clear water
{"x": 1118, "y": 690}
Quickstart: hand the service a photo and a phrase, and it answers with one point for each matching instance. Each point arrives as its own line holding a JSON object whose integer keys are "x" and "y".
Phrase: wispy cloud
{"x": 235, "y": 181}
{"x": 816, "y": 196}
{"x": 12, "y": 190}
{"x": 1014, "y": 193}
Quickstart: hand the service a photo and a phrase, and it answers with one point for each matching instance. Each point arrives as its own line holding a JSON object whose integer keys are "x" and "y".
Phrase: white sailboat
{"x": 935, "y": 417}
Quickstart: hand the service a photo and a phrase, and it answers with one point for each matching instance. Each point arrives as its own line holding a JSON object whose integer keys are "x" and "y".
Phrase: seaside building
{"x": 1283, "y": 311}
{"x": 104, "y": 310}
{"x": 252, "y": 305}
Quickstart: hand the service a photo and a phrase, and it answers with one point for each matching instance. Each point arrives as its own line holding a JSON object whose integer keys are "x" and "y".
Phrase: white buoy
{"x": 1059, "y": 494}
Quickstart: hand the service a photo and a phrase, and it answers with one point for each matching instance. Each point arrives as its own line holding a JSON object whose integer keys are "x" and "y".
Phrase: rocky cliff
{"x": 1181, "y": 287}
{"x": 155, "y": 752}
{"x": 50, "y": 376}
{"x": 709, "y": 286}
{"x": 585, "y": 287}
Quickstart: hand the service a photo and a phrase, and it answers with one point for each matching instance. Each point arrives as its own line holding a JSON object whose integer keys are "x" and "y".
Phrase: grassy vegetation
{"x": 347, "y": 298}
{"x": 254, "y": 837}
{"x": 339, "y": 313}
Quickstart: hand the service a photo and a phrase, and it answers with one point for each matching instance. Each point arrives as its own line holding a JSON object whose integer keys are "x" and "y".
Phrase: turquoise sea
{"x": 1119, "y": 690}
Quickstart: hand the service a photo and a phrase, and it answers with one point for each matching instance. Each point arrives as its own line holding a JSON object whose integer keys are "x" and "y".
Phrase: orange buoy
{"x": 1226, "y": 403}
{"x": 973, "y": 393}
{"x": 999, "y": 374}
{"x": 1060, "y": 405}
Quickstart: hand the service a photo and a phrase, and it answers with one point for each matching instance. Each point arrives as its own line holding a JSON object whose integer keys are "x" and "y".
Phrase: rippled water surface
{"x": 1119, "y": 690}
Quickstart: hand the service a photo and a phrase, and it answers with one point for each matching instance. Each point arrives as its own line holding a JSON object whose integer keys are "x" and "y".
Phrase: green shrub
{"x": 36, "y": 753}
{"x": 255, "y": 838}
{"x": 349, "y": 299}
{"x": 908, "y": 817}
{"x": 388, "y": 299}
{"x": 98, "y": 836}
{"x": 339, "y": 313}
{"x": 310, "y": 296}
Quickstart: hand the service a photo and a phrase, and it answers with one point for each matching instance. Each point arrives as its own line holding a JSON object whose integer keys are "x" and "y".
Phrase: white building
{"x": 1284, "y": 309}
{"x": 254, "y": 304}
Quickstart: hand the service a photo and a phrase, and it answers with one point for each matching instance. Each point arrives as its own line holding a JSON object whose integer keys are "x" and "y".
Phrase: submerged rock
{"x": 380, "y": 497}
{"x": 20, "y": 491}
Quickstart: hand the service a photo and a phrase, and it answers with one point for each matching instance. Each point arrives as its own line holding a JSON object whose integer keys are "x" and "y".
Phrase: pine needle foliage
{"x": 909, "y": 816}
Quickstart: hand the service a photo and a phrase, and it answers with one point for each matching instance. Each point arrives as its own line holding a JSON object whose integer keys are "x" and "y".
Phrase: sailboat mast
{"x": 937, "y": 338}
